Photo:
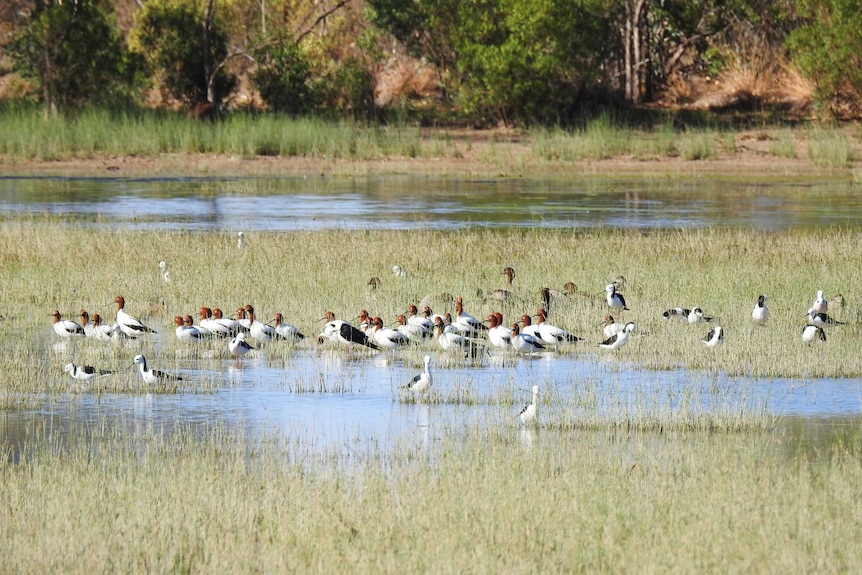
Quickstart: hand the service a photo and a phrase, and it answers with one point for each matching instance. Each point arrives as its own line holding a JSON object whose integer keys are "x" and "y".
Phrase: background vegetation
{"x": 485, "y": 62}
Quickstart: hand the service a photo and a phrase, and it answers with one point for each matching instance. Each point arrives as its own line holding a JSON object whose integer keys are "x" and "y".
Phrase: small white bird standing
{"x": 152, "y": 376}
{"x": 238, "y": 347}
{"x": 163, "y": 271}
{"x": 240, "y": 240}
{"x": 66, "y": 327}
{"x": 398, "y": 272}
{"x": 286, "y": 330}
{"x": 820, "y": 304}
{"x": 760, "y": 313}
{"x": 614, "y": 298}
{"x": 466, "y": 324}
{"x": 812, "y": 332}
{"x": 618, "y": 340}
{"x": 84, "y": 372}
{"x": 550, "y": 334}
{"x": 529, "y": 415}
{"x": 500, "y": 336}
{"x": 422, "y": 382}
{"x": 715, "y": 337}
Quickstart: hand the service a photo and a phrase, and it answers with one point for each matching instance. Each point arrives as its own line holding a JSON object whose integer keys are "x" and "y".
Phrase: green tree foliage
{"x": 828, "y": 51}
{"x": 74, "y": 52}
{"x": 282, "y": 76}
{"x": 169, "y": 35}
{"x": 514, "y": 61}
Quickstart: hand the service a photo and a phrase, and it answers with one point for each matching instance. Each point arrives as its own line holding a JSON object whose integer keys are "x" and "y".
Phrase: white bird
{"x": 611, "y": 327}
{"x": 240, "y": 240}
{"x": 129, "y": 325}
{"x": 413, "y": 331}
{"x": 212, "y": 327}
{"x": 618, "y": 340}
{"x": 821, "y": 319}
{"x": 422, "y": 382}
{"x": 106, "y": 332}
{"x": 528, "y": 328}
{"x": 550, "y": 334}
{"x": 184, "y": 332}
{"x": 466, "y": 323}
{"x": 286, "y": 330}
{"x": 760, "y": 313}
{"x": 340, "y": 331}
{"x": 820, "y": 304}
{"x": 614, "y": 298}
{"x": 524, "y": 342}
{"x": 153, "y": 376}
{"x": 696, "y": 316}
{"x": 715, "y": 337}
{"x": 386, "y": 337}
{"x": 89, "y": 327}
{"x": 84, "y": 372}
{"x": 399, "y": 273}
{"x": 66, "y": 327}
{"x": 677, "y": 313}
{"x": 232, "y": 325}
{"x": 499, "y": 335}
{"x": 413, "y": 318}
{"x": 812, "y": 332}
{"x": 259, "y": 330}
{"x": 529, "y": 415}
{"x": 164, "y": 272}
{"x": 450, "y": 340}
{"x": 238, "y": 347}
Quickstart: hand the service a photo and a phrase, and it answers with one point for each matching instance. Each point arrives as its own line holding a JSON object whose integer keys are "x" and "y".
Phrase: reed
{"x": 541, "y": 500}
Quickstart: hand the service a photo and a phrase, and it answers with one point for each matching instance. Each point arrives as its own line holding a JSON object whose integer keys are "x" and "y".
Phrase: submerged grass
{"x": 472, "y": 501}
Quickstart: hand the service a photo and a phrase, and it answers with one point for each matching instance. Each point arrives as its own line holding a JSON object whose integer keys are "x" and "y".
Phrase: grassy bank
{"x": 27, "y": 136}
{"x": 488, "y": 502}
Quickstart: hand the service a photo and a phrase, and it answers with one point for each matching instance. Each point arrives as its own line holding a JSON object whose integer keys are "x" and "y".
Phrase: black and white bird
{"x": 466, "y": 324}
{"x": 760, "y": 313}
{"x": 420, "y": 384}
{"x": 810, "y": 333}
{"x": 238, "y": 347}
{"x": 618, "y": 340}
{"x": 153, "y": 376}
{"x": 614, "y": 298}
{"x": 524, "y": 342}
{"x": 129, "y": 325}
{"x": 66, "y": 327}
{"x": 344, "y": 333}
{"x": 84, "y": 372}
{"x": 529, "y": 416}
{"x": 821, "y": 319}
{"x": 677, "y": 313}
{"x": 551, "y": 334}
{"x": 696, "y": 316}
{"x": 715, "y": 337}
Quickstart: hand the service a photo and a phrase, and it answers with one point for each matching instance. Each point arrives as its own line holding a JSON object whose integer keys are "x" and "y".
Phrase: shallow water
{"x": 333, "y": 400}
{"x": 413, "y": 202}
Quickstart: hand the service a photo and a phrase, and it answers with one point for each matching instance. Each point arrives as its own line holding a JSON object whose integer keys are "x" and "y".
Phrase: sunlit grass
{"x": 471, "y": 500}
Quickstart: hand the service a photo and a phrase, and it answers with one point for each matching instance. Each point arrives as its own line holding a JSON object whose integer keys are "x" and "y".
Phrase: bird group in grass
{"x": 457, "y": 332}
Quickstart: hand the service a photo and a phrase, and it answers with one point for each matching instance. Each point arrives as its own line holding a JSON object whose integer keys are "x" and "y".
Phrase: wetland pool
{"x": 333, "y": 400}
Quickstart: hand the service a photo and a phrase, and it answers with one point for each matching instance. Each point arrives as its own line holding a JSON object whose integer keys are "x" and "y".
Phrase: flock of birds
{"x": 461, "y": 333}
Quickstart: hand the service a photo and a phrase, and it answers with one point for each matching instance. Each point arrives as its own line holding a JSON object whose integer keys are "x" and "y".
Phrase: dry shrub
{"x": 405, "y": 78}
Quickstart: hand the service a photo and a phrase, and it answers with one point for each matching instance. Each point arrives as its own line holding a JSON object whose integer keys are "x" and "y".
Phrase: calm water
{"x": 356, "y": 398}
{"x": 421, "y": 202}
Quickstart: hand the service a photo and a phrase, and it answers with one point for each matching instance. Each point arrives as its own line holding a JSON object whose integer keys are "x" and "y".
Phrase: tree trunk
{"x": 209, "y": 67}
{"x": 635, "y": 51}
